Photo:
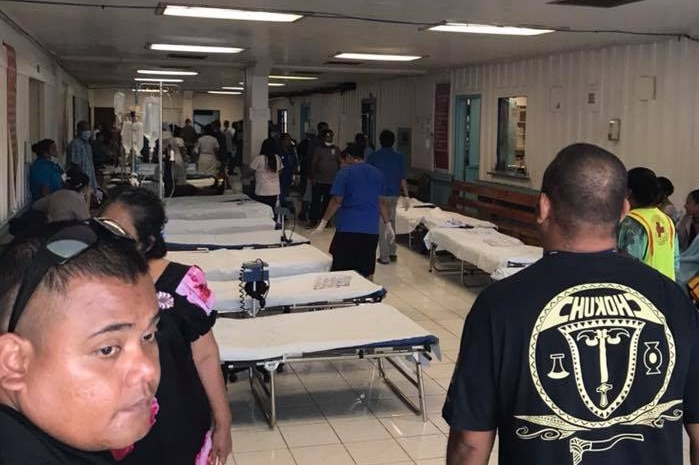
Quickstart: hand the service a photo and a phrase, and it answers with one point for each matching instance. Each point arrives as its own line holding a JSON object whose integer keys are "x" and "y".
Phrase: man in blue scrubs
{"x": 392, "y": 166}
{"x": 357, "y": 201}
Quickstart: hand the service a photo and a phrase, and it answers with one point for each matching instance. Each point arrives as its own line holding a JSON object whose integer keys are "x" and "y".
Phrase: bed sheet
{"x": 487, "y": 249}
{"x": 334, "y": 286}
{"x": 224, "y": 264}
{"x": 217, "y": 226}
{"x": 293, "y": 334}
{"x": 255, "y": 239}
{"x": 216, "y": 207}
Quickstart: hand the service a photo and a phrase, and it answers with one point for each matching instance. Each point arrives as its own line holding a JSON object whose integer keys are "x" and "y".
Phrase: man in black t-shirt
{"x": 587, "y": 356}
{"x": 78, "y": 358}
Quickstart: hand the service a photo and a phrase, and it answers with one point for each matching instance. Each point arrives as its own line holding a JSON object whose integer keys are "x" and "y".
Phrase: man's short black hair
{"x": 110, "y": 257}
{"x": 355, "y": 151}
{"x": 322, "y": 125}
{"x": 586, "y": 186}
{"x": 644, "y": 187}
{"x": 387, "y": 139}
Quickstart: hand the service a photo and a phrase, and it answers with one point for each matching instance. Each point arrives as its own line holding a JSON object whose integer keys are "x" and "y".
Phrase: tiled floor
{"x": 342, "y": 413}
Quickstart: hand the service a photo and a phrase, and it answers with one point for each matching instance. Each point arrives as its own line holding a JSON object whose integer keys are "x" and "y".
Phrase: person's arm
{"x": 676, "y": 250}
{"x": 632, "y": 239}
{"x": 207, "y": 360}
{"x": 333, "y": 206}
{"x": 469, "y": 447}
{"x": 314, "y": 167}
{"x": 383, "y": 210}
{"x": 404, "y": 185}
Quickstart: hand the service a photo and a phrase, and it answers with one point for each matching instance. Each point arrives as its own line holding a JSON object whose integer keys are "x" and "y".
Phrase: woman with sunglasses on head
{"x": 193, "y": 424}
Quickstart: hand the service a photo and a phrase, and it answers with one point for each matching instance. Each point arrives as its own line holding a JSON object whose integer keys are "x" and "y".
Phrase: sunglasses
{"x": 63, "y": 246}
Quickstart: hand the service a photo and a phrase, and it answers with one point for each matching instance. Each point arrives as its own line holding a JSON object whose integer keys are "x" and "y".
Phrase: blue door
{"x": 467, "y": 137}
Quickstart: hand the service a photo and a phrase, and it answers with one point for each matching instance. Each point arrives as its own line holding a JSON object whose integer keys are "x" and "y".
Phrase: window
{"x": 512, "y": 136}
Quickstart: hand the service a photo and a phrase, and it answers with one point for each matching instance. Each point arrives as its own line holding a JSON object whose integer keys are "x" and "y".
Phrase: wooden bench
{"x": 513, "y": 212}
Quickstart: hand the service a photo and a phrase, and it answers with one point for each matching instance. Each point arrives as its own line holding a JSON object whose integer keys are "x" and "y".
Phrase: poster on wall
{"x": 442, "y": 98}
{"x": 13, "y": 158}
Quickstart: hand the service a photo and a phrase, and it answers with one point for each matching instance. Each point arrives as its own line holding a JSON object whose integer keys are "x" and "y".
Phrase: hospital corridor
{"x": 396, "y": 232}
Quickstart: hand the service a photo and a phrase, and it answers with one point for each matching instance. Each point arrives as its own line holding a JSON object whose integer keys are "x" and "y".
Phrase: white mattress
{"x": 215, "y": 207}
{"x": 203, "y": 182}
{"x": 224, "y": 264}
{"x": 407, "y": 221}
{"x": 335, "y": 286}
{"x": 502, "y": 273}
{"x": 221, "y": 226}
{"x": 484, "y": 248}
{"x": 236, "y": 240}
{"x": 293, "y": 334}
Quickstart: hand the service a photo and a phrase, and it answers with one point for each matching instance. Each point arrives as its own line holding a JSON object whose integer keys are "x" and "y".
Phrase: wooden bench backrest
{"x": 513, "y": 212}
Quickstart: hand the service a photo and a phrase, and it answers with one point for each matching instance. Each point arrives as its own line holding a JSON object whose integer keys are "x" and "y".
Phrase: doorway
{"x": 203, "y": 118}
{"x": 105, "y": 117}
{"x": 369, "y": 120}
{"x": 305, "y": 122}
{"x": 404, "y": 145}
{"x": 467, "y": 137}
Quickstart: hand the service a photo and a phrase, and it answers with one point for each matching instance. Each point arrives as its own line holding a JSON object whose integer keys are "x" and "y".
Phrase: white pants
{"x": 208, "y": 164}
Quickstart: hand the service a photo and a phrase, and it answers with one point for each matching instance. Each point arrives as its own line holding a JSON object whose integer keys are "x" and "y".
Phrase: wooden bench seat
{"x": 513, "y": 212}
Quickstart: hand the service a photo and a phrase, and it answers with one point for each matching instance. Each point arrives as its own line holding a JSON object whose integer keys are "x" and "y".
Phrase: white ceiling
{"x": 104, "y": 47}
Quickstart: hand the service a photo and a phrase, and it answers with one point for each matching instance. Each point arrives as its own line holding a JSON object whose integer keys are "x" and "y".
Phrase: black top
{"x": 580, "y": 359}
{"x": 184, "y": 417}
{"x": 23, "y": 443}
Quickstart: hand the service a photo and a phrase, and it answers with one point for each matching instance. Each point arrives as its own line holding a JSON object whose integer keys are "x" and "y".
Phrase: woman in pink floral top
{"x": 193, "y": 424}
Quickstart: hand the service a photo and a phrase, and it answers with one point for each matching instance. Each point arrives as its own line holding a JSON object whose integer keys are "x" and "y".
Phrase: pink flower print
{"x": 165, "y": 301}
{"x": 205, "y": 452}
{"x": 154, "y": 409}
{"x": 193, "y": 286}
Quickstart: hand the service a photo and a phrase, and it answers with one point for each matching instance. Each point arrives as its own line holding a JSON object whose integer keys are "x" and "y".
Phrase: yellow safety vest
{"x": 660, "y": 232}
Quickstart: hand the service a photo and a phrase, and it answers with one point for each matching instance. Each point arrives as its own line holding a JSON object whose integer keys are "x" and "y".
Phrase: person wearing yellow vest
{"x": 647, "y": 233}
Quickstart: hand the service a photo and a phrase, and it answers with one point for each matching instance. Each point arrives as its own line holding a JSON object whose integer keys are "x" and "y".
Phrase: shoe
{"x": 382, "y": 261}
{"x": 393, "y": 258}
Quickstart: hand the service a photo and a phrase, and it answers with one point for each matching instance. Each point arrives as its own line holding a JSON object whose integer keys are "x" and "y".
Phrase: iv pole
{"x": 161, "y": 187}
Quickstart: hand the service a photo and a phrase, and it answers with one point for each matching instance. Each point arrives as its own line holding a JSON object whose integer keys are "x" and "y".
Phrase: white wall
{"x": 659, "y": 134}
{"x": 177, "y": 106}
{"x": 56, "y": 113}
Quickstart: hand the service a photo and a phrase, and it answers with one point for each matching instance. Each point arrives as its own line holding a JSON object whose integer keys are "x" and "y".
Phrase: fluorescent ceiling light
{"x": 223, "y": 92}
{"x": 376, "y": 57}
{"x": 167, "y": 72}
{"x": 234, "y": 88}
{"x": 194, "y": 48}
{"x": 488, "y": 29}
{"x": 157, "y": 80}
{"x": 149, "y": 91}
{"x": 229, "y": 13}
{"x": 294, "y": 78}
{"x": 276, "y": 84}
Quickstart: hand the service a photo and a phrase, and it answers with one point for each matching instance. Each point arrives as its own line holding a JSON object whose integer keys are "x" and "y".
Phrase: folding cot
{"x": 311, "y": 291}
{"x": 225, "y": 265}
{"x": 175, "y": 227}
{"x": 243, "y": 240}
{"x": 486, "y": 249}
{"x": 216, "y": 207}
{"x": 375, "y": 332}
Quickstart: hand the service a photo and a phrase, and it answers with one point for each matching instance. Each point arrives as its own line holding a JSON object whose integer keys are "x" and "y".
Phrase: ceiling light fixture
{"x": 228, "y": 13}
{"x": 157, "y": 80}
{"x": 194, "y": 48}
{"x": 236, "y": 88}
{"x": 294, "y": 78}
{"x": 376, "y": 57}
{"x": 223, "y": 92}
{"x": 489, "y": 29}
{"x": 167, "y": 73}
{"x": 276, "y": 84}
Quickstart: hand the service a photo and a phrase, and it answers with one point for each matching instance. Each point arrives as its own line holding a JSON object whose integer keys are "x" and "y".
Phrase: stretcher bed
{"x": 485, "y": 249}
{"x": 225, "y": 265}
{"x": 312, "y": 291}
{"x": 246, "y": 240}
{"x": 221, "y": 226}
{"x": 216, "y": 207}
{"x": 375, "y": 331}
{"x": 505, "y": 272}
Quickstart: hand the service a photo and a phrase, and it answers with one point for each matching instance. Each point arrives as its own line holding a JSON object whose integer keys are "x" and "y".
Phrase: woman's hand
{"x": 222, "y": 445}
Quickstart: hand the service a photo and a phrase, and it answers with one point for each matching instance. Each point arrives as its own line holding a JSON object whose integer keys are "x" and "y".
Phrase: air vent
{"x": 181, "y": 56}
{"x": 594, "y": 3}
{"x": 343, "y": 63}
